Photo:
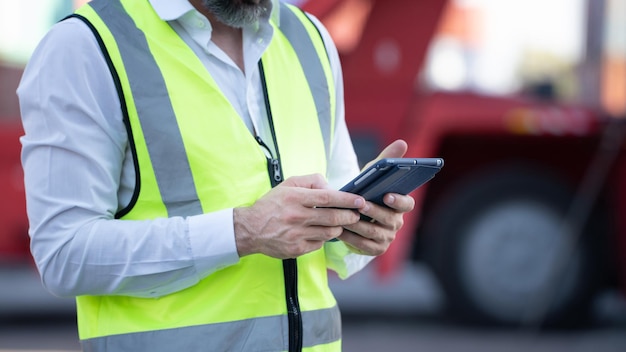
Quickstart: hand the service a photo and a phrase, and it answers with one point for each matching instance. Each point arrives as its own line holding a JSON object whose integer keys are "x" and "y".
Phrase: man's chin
{"x": 238, "y": 13}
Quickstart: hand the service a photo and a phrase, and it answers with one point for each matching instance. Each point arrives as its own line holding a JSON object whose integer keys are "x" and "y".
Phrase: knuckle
{"x": 318, "y": 177}
{"x": 379, "y": 251}
{"x": 373, "y": 251}
{"x": 334, "y": 232}
{"x": 335, "y": 218}
{"x": 345, "y": 217}
{"x": 398, "y": 224}
{"x": 289, "y": 197}
{"x": 295, "y": 249}
{"x": 323, "y": 199}
{"x": 328, "y": 232}
{"x": 290, "y": 215}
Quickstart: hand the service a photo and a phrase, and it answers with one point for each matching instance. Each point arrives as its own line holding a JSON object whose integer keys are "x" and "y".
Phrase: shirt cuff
{"x": 212, "y": 240}
{"x": 344, "y": 262}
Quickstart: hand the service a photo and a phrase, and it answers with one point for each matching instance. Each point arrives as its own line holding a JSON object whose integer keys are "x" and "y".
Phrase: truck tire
{"x": 505, "y": 256}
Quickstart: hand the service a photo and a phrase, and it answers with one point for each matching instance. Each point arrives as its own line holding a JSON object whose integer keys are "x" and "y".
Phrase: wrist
{"x": 243, "y": 231}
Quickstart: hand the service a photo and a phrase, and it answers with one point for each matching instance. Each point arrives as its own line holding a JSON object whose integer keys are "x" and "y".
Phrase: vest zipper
{"x": 290, "y": 269}
{"x": 290, "y": 266}
{"x": 273, "y": 164}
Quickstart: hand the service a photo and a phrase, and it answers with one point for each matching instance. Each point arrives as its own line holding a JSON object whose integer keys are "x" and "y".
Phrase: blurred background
{"x": 518, "y": 244}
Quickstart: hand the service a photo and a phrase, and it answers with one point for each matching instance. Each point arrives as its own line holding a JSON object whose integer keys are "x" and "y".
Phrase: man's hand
{"x": 294, "y": 218}
{"x": 374, "y": 237}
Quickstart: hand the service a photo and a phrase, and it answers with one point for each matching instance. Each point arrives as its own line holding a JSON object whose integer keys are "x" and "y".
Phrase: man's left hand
{"x": 374, "y": 237}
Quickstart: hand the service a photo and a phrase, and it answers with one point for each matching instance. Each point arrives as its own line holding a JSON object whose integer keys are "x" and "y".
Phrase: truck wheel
{"x": 504, "y": 254}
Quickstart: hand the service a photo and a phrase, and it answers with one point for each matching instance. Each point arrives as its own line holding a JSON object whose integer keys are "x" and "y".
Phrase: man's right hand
{"x": 294, "y": 218}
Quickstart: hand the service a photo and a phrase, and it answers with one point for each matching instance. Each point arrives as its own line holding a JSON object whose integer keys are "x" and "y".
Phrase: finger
{"x": 324, "y": 233}
{"x": 310, "y": 239}
{"x": 396, "y": 149}
{"x": 390, "y": 215}
{"x": 382, "y": 218}
{"x": 313, "y": 181}
{"x": 361, "y": 245}
{"x": 375, "y": 232}
{"x": 327, "y": 198}
{"x": 398, "y": 202}
{"x": 332, "y": 217}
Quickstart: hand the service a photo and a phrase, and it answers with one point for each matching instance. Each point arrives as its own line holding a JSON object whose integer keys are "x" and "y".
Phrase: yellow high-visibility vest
{"x": 194, "y": 155}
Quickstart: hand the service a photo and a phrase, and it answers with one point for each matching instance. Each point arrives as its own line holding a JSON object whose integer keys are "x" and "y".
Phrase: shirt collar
{"x": 169, "y": 10}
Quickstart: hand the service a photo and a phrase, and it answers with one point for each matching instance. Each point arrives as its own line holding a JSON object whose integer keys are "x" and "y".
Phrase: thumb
{"x": 395, "y": 149}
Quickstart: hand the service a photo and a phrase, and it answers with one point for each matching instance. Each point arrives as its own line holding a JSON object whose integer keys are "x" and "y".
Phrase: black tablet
{"x": 393, "y": 175}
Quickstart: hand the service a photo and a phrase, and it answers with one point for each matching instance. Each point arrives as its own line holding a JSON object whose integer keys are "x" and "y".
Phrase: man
{"x": 176, "y": 157}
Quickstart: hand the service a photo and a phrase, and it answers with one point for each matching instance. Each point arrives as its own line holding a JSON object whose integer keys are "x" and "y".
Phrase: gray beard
{"x": 237, "y": 13}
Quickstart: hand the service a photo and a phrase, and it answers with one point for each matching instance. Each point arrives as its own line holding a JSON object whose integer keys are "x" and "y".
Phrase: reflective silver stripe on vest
{"x": 296, "y": 33}
{"x": 156, "y": 114}
{"x": 259, "y": 334}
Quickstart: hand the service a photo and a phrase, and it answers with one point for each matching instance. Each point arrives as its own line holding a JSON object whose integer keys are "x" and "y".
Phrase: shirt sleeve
{"x": 73, "y": 154}
{"x": 342, "y": 167}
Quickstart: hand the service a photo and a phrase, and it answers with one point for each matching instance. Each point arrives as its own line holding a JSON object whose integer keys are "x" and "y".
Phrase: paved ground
{"x": 376, "y": 334}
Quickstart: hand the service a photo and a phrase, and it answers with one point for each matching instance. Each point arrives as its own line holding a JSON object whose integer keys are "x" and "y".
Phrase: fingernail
{"x": 391, "y": 199}
{"x": 359, "y": 202}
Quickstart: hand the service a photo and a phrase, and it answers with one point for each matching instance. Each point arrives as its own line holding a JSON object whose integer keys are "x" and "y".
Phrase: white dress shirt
{"x": 79, "y": 169}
